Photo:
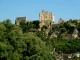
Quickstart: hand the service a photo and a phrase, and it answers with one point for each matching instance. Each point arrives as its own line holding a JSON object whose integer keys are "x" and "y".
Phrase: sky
{"x": 65, "y": 9}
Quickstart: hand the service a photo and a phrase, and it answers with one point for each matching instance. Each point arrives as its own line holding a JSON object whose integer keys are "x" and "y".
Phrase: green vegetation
{"x": 16, "y": 43}
{"x": 27, "y": 26}
{"x": 68, "y": 46}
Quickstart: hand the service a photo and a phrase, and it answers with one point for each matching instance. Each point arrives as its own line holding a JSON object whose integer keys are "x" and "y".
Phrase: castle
{"x": 20, "y": 19}
{"x": 45, "y": 18}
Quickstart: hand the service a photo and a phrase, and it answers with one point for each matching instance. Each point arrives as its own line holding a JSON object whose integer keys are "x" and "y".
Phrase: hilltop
{"x": 26, "y": 40}
{"x": 38, "y": 39}
{"x": 46, "y": 23}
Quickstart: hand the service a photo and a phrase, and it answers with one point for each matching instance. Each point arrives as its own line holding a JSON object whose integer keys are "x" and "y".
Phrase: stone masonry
{"x": 46, "y": 18}
{"x": 20, "y": 19}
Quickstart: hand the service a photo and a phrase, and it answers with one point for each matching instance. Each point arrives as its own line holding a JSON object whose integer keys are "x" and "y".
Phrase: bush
{"x": 63, "y": 30}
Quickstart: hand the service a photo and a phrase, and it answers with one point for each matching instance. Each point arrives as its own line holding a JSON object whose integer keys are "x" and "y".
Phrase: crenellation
{"x": 46, "y": 18}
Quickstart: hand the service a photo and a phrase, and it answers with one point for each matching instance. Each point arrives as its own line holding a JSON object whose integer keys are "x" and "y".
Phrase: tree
{"x": 66, "y": 25}
{"x": 36, "y": 48}
{"x": 63, "y": 30}
{"x": 71, "y": 29}
{"x": 15, "y": 45}
{"x": 2, "y": 30}
{"x": 44, "y": 27}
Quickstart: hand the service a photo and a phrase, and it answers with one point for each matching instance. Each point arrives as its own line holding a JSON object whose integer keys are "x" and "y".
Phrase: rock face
{"x": 75, "y": 33}
{"x": 54, "y": 35}
{"x": 46, "y": 18}
{"x": 20, "y": 19}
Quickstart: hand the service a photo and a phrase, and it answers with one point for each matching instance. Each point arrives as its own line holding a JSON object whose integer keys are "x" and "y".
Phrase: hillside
{"x": 27, "y": 42}
{"x": 67, "y": 30}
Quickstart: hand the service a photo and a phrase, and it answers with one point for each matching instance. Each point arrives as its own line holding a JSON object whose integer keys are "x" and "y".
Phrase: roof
{"x": 21, "y": 18}
{"x": 66, "y": 55}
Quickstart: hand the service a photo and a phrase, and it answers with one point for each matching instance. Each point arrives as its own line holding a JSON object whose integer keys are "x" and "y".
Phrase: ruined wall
{"x": 20, "y": 19}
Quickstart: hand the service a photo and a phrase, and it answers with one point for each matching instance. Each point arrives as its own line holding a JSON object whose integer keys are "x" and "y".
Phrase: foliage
{"x": 71, "y": 29}
{"x": 68, "y": 46}
{"x": 44, "y": 27}
{"x": 63, "y": 30}
{"x": 27, "y": 26}
{"x": 15, "y": 45}
{"x": 67, "y": 25}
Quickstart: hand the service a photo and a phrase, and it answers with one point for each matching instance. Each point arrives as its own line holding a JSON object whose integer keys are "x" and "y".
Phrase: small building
{"x": 62, "y": 56}
{"x": 67, "y": 55}
{"x": 20, "y": 19}
{"x": 77, "y": 54}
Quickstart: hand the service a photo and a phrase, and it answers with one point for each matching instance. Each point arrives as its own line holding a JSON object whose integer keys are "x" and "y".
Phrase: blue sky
{"x": 65, "y": 9}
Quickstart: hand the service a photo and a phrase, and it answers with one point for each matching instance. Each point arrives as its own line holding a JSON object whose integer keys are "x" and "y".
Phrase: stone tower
{"x": 46, "y": 18}
{"x": 20, "y": 19}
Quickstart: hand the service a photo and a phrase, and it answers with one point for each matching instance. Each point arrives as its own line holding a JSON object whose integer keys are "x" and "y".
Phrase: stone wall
{"x": 61, "y": 21}
{"x": 46, "y": 18}
{"x": 20, "y": 19}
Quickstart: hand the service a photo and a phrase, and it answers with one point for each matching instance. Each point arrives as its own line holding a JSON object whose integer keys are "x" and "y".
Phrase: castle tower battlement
{"x": 46, "y": 18}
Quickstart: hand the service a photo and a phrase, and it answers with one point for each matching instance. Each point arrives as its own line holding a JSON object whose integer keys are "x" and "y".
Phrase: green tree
{"x": 36, "y": 48}
{"x": 63, "y": 30}
{"x": 15, "y": 45}
{"x": 66, "y": 25}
